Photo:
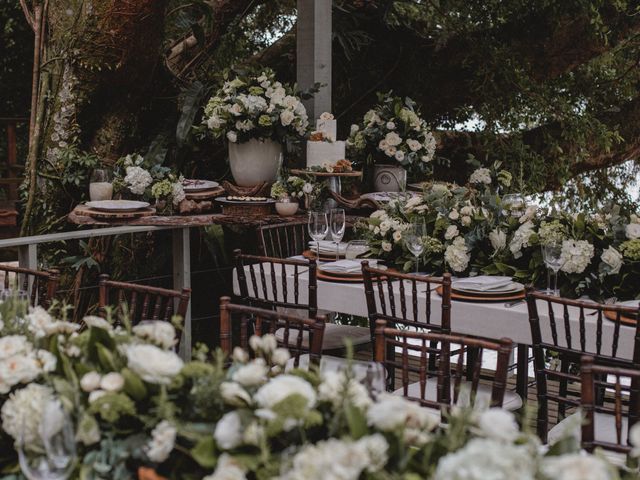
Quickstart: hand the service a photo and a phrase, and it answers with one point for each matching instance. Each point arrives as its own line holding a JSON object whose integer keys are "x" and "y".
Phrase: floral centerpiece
{"x": 136, "y": 177}
{"x": 393, "y": 134}
{"x": 471, "y": 232}
{"x": 134, "y": 403}
{"x": 256, "y": 114}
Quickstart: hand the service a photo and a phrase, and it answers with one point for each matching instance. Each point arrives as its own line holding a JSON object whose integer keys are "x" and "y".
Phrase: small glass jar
{"x": 100, "y": 185}
{"x": 514, "y": 205}
{"x": 286, "y": 207}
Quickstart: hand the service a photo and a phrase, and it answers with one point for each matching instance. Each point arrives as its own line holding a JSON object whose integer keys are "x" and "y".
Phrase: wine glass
{"x": 552, "y": 256}
{"x": 57, "y": 435}
{"x": 514, "y": 205}
{"x": 355, "y": 248}
{"x": 318, "y": 228}
{"x": 338, "y": 226}
{"x": 413, "y": 240}
{"x": 100, "y": 185}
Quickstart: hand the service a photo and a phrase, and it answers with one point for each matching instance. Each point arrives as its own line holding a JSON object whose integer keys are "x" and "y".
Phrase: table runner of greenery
{"x": 133, "y": 402}
{"x": 470, "y": 231}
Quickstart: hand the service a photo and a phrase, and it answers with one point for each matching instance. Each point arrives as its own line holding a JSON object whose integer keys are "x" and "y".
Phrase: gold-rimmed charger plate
{"x": 482, "y": 298}
{"x": 349, "y": 278}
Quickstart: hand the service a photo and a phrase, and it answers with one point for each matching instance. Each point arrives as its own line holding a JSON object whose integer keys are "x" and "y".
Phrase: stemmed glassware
{"x": 355, "y": 248}
{"x": 413, "y": 239}
{"x": 552, "y": 256}
{"x": 338, "y": 226}
{"x": 318, "y": 228}
{"x": 57, "y": 460}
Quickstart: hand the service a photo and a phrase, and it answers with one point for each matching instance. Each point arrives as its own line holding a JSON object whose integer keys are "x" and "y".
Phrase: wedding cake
{"x": 322, "y": 146}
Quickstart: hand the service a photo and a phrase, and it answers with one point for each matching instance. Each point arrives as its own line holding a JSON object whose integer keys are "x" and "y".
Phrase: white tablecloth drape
{"x": 488, "y": 320}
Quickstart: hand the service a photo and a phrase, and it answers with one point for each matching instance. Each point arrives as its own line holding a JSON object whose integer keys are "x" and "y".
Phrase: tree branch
{"x": 29, "y": 17}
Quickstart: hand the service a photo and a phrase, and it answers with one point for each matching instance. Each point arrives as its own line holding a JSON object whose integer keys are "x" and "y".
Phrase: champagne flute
{"x": 338, "y": 226}
{"x": 414, "y": 242}
{"x": 318, "y": 228}
{"x": 552, "y": 256}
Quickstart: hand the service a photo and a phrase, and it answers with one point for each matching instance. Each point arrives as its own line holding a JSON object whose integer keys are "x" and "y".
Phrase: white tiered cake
{"x": 323, "y": 147}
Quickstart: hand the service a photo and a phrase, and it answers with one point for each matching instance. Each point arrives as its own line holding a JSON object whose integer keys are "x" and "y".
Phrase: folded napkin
{"x": 484, "y": 283}
{"x": 346, "y": 266}
{"x": 327, "y": 246}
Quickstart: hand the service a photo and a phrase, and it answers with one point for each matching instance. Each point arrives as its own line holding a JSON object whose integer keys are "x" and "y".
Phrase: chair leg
{"x": 522, "y": 371}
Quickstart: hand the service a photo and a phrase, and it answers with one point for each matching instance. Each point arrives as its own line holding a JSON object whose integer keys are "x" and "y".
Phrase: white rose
{"x": 387, "y": 246}
{"x": 326, "y": 116}
{"x": 39, "y": 321}
{"x": 399, "y": 155}
{"x": 286, "y": 117}
{"x": 451, "y": 233}
{"x": 227, "y": 469}
{"x": 393, "y": 139}
{"x": 95, "y": 395}
{"x": 240, "y": 355}
{"x": 12, "y": 345}
{"x": 228, "y": 432}
{"x": 499, "y": 424}
{"x": 414, "y": 145}
{"x": 251, "y": 374}
{"x": 112, "y": 382}
{"x": 391, "y": 125}
{"x": 280, "y": 356}
{"x": 613, "y": 259}
{"x": 160, "y": 333}
{"x": 281, "y": 387}
{"x": 90, "y": 381}
{"x": 383, "y": 145}
{"x": 397, "y": 236}
{"x": 163, "y": 439}
{"x": 633, "y": 231}
{"x": 153, "y": 364}
{"x": 232, "y": 136}
{"x": 454, "y": 215}
{"x": 307, "y": 188}
{"x": 391, "y": 151}
{"x": 465, "y": 221}
{"x": 234, "y": 394}
{"x": 466, "y": 210}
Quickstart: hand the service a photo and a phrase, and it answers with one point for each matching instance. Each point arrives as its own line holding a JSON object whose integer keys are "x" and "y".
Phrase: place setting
{"x": 486, "y": 289}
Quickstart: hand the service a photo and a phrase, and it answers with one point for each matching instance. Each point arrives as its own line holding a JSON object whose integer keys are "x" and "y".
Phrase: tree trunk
{"x": 98, "y": 62}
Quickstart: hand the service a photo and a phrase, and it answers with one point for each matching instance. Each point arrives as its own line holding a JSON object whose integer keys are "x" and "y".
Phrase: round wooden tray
{"x": 90, "y": 212}
{"x": 630, "y": 321}
{"x": 301, "y": 171}
{"x": 483, "y": 298}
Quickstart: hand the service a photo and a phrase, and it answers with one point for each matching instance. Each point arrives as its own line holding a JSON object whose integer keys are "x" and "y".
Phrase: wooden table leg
{"x": 522, "y": 375}
{"x": 182, "y": 279}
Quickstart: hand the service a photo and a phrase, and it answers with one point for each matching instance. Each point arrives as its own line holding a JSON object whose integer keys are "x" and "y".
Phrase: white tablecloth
{"x": 488, "y": 320}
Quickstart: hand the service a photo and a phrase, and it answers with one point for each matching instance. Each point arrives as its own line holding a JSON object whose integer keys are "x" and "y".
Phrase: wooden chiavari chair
{"x": 438, "y": 384}
{"x": 40, "y": 286}
{"x": 569, "y": 333}
{"x": 143, "y": 302}
{"x": 299, "y": 335}
{"x": 284, "y": 240}
{"x": 607, "y": 426}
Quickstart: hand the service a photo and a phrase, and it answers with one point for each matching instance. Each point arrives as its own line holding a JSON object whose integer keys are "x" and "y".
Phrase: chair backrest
{"x": 284, "y": 240}
{"x": 257, "y": 291}
{"x": 571, "y": 329}
{"x": 391, "y": 299}
{"x": 142, "y": 301}
{"x": 299, "y": 335}
{"x": 41, "y": 286}
{"x": 624, "y": 383}
{"x": 424, "y": 357}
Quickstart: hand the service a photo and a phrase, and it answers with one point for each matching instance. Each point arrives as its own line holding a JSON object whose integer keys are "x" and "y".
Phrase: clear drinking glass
{"x": 413, "y": 239}
{"x": 318, "y": 228}
{"x": 338, "y": 226}
{"x": 355, "y": 248}
{"x": 513, "y": 205}
{"x": 100, "y": 185}
{"x": 552, "y": 256}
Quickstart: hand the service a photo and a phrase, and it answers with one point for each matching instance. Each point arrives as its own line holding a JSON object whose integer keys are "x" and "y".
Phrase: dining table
{"x": 489, "y": 320}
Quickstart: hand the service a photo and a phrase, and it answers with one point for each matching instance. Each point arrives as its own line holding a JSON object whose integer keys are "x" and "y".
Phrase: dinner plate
{"x": 624, "y": 320}
{"x": 513, "y": 287}
{"x": 117, "y": 205}
{"x": 347, "y": 275}
{"x": 191, "y": 185}
{"x": 474, "y": 297}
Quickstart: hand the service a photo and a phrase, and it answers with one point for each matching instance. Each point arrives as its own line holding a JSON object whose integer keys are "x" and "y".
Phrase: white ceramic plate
{"x": 513, "y": 287}
{"x": 194, "y": 185}
{"x": 117, "y": 205}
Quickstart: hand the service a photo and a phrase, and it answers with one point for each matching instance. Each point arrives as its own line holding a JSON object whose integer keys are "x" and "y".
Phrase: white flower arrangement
{"x": 163, "y": 439}
{"x": 256, "y": 107}
{"x": 576, "y": 255}
{"x": 160, "y": 333}
{"x": 153, "y": 364}
{"x": 481, "y": 176}
{"x": 457, "y": 255}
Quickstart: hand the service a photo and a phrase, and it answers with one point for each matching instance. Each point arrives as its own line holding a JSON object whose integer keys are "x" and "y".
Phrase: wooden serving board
{"x": 205, "y": 195}
{"x": 85, "y": 211}
{"x": 507, "y": 297}
{"x": 624, "y": 320}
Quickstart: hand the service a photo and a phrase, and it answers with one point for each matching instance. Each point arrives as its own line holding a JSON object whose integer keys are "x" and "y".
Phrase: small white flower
{"x": 633, "y": 231}
{"x": 95, "y": 395}
{"x": 232, "y": 136}
{"x": 12, "y": 345}
{"x": 251, "y": 374}
{"x": 498, "y": 239}
{"x": 240, "y": 355}
{"x": 112, "y": 382}
{"x": 326, "y": 116}
{"x": 451, "y": 233}
{"x": 613, "y": 259}
{"x": 234, "y": 394}
{"x": 481, "y": 175}
{"x": 465, "y": 220}
{"x": 397, "y": 236}
{"x": 163, "y": 439}
{"x": 454, "y": 215}
{"x": 280, "y": 356}
{"x": 307, "y": 188}
{"x": 576, "y": 466}
{"x": 282, "y": 386}
{"x": 387, "y": 246}
{"x": 90, "y": 381}
{"x": 457, "y": 255}
{"x": 153, "y": 364}
{"x": 414, "y": 145}
{"x": 228, "y": 432}
{"x": 160, "y": 333}
{"x": 286, "y": 117}
{"x": 399, "y": 155}
{"x": 393, "y": 139}
{"x": 498, "y": 424}
{"x": 391, "y": 126}
{"x": 97, "y": 322}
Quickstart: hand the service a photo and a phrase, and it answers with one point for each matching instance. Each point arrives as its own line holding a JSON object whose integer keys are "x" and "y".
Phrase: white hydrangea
{"x": 177, "y": 193}
{"x": 153, "y": 364}
{"x": 160, "y": 333}
{"x": 451, "y": 232}
{"x": 576, "y": 255}
{"x": 335, "y": 388}
{"x": 137, "y": 179}
{"x": 338, "y": 459}
{"x": 481, "y": 175}
{"x": 498, "y": 239}
{"x": 457, "y": 255}
{"x": 227, "y": 469}
{"x": 482, "y": 459}
{"x": 163, "y": 439}
{"x": 576, "y": 466}
{"x": 613, "y": 259}
{"x": 39, "y": 321}
{"x": 521, "y": 238}
{"x": 633, "y": 231}
{"x": 498, "y": 424}
{"x": 22, "y": 413}
{"x": 429, "y": 147}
